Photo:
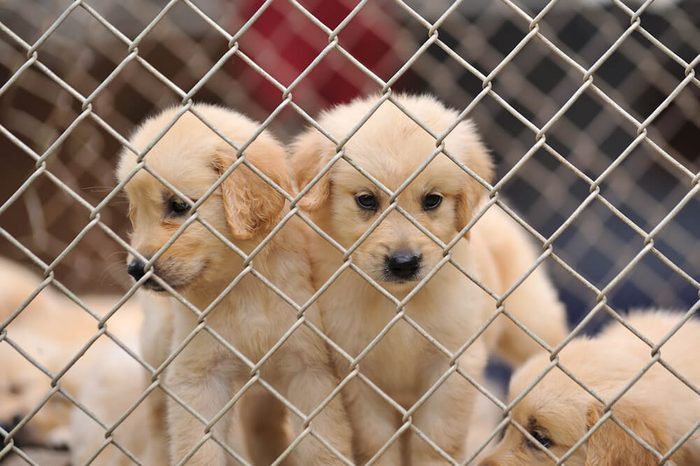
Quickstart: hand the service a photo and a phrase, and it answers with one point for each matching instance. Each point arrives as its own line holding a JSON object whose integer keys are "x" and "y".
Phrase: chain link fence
{"x": 590, "y": 109}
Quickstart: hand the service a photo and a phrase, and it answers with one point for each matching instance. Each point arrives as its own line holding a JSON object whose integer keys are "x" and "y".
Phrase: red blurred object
{"x": 283, "y": 42}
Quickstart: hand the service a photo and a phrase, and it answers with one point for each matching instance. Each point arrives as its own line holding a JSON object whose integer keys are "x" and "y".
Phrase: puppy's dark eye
{"x": 177, "y": 207}
{"x": 366, "y": 201}
{"x": 431, "y": 201}
{"x": 541, "y": 438}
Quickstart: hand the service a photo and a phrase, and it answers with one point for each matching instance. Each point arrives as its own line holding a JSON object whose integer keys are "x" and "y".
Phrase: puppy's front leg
{"x": 307, "y": 389}
{"x": 264, "y": 421}
{"x": 195, "y": 378}
{"x": 444, "y": 418}
{"x": 157, "y": 447}
{"x": 374, "y": 422}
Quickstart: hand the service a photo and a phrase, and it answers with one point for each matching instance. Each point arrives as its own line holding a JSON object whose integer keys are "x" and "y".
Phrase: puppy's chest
{"x": 401, "y": 360}
{"x": 397, "y": 360}
{"x": 252, "y": 327}
{"x": 399, "y": 356}
{"x": 355, "y": 324}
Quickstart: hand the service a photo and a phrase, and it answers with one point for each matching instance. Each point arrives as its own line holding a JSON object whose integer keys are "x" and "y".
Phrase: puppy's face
{"x": 554, "y": 416}
{"x": 557, "y": 413}
{"x": 396, "y": 252}
{"x": 390, "y": 147}
{"x": 192, "y": 157}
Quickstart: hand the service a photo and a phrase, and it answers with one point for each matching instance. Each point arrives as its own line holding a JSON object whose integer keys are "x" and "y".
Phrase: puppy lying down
{"x": 52, "y": 330}
{"x": 659, "y": 407}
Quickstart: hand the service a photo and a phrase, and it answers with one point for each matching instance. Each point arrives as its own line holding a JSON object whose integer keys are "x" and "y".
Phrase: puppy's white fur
{"x": 250, "y": 317}
{"x": 390, "y": 147}
{"x": 659, "y": 407}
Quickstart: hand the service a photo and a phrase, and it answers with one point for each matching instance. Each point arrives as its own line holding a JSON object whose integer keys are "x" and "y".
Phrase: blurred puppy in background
{"x": 659, "y": 407}
{"x": 201, "y": 266}
{"x": 400, "y": 256}
{"x": 52, "y": 330}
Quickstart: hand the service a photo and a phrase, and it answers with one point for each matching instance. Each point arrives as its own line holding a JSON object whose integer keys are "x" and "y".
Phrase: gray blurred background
{"x": 37, "y": 113}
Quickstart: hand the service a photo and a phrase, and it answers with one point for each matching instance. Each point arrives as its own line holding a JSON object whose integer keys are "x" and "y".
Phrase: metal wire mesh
{"x": 590, "y": 110}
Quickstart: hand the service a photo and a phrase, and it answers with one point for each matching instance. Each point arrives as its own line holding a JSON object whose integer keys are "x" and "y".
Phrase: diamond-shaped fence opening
{"x": 589, "y": 109}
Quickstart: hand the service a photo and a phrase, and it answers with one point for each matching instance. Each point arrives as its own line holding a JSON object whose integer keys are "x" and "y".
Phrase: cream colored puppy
{"x": 51, "y": 330}
{"x": 398, "y": 256}
{"x": 23, "y": 386}
{"x": 659, "y": 407}
{"x": 251, "y": 317}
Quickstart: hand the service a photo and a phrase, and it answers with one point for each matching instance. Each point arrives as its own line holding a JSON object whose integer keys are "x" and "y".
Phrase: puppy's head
{"x": 192, "y": 157}
{"x": 391, "y": 147}
{"x": 557, "y": 413}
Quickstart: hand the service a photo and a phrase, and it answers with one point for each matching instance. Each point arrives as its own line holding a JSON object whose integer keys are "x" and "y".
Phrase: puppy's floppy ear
{"x": 610, "y": 445}
{"x": 307, "y": 161}
{"x": 472, "y": 152}
{"x": 252, "y": 207}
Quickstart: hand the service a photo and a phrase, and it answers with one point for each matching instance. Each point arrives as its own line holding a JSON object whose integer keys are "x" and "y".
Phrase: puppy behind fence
{"x": 643, "y": 126}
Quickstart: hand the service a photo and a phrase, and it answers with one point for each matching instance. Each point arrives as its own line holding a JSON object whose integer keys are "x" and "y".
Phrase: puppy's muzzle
{"x": 402, "y": 265}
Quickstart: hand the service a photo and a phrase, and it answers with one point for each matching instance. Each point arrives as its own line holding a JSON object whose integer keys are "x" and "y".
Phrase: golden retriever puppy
{"x": 410, "y": 266}
{"x": 113, "y": 384}
{"x": 22, "y": 385}
{"x": 51, "y": 330}
{"x": 23, "y": 388}
{"x": 659, "y": 407}
{"x": 250, "y": 317}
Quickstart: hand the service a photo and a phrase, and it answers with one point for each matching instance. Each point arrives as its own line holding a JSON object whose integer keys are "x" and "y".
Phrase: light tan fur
{"x": 156, "y": 337}
{"x": 262, "y": 415}
{"x": 251, "y": 317}
{"x": 659, "y": 407}
{"x": 484, "y": 421}
{"x": 111, "y": 386}
{"x": 52, "y": 330}
{"x": 450, "y": 307}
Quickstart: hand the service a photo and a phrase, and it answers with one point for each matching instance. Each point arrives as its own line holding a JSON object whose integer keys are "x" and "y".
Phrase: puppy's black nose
{"x": 403, "y": 265}
{"x": 135, "y": 269}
